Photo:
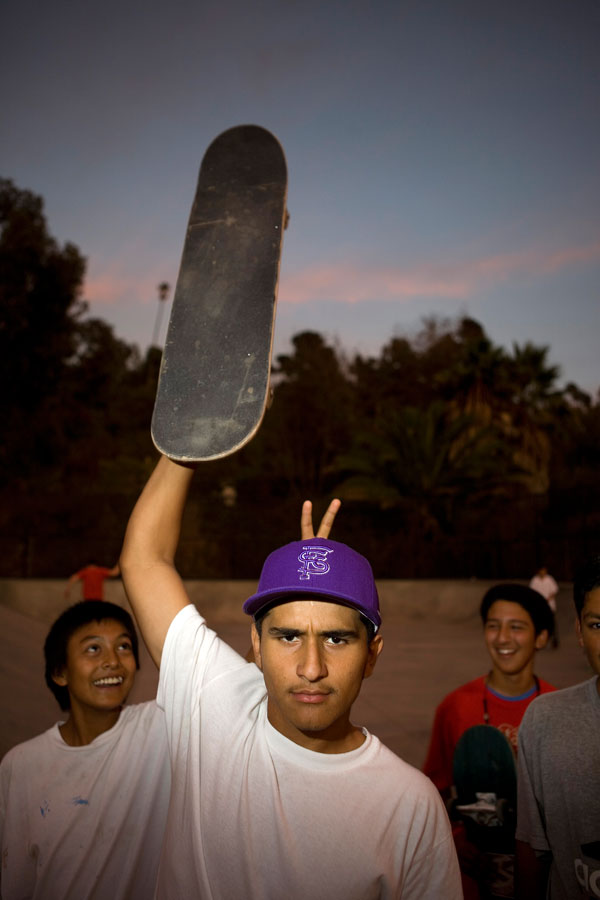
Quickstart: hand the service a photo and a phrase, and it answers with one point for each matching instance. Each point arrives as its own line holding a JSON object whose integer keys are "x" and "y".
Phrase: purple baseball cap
{"x": 318, "y": 568}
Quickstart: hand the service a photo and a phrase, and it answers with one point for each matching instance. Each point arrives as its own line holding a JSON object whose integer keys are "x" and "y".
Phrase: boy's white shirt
{"x": 86, "y": 823}
{"x": 255, "y": 815}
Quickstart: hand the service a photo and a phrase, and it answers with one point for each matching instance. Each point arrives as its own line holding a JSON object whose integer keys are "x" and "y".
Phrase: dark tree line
{"x": 453, "y": 456}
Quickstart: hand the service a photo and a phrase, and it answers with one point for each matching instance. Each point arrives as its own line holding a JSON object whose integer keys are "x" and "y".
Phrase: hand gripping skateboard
{"x": 214, "y": 377}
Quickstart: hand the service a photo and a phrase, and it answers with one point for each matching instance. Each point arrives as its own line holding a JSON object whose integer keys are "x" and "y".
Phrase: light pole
{"x": 163, "y": 292}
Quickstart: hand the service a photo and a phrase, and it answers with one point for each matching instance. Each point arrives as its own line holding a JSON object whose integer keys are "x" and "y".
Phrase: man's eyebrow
{"x": 281, "y": 631}
{"x": 340, "y": 632}
{"x": 590, "y": 614}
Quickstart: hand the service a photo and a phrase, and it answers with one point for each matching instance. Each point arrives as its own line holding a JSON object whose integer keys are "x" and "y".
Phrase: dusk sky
{"x": 444, "y": 157}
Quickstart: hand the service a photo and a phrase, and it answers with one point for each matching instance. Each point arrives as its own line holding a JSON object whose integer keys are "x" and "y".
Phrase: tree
{"x": 40, "y": 304}
{"x": 76, "y": 405}
{"x": 515, "y": 393}
{"x": 425, "y": 460}
{"x": 310, "y": 419}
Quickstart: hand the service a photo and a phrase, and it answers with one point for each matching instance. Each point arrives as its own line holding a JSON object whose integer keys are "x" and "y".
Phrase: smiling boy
{"x": 276, "y": 793}
{"x": 517, "y": 622}
{"x": 83, "y": 806}
{"x": 558, "y": 825}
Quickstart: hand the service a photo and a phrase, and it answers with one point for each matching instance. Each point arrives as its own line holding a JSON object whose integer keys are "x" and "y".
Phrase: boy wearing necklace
{"x": 517, "y": 622}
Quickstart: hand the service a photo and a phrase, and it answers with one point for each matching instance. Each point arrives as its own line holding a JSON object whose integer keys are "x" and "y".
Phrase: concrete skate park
{"x": 433, "y": 643}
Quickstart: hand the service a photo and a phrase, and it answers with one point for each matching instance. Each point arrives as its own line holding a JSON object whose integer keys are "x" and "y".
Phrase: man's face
{"x": 588, "y": 629}
{"x": 100, "y": 667}
{"x": 314, "y": 656}
{"x": 510, "y": 637}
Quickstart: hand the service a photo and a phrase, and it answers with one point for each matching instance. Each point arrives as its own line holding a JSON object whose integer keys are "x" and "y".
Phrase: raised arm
{"x": 153, "y": 585}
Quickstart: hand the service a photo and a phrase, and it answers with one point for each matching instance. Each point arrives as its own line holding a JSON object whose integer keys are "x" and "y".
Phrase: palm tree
{"x": 425, "y": 460}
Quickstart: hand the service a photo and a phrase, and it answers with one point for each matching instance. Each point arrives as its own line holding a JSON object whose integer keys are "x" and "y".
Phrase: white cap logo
{"x": 314, "y": 562}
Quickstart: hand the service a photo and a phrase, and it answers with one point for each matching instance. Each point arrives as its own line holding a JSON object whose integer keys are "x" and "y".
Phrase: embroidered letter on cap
{"x": 314, "y": 562}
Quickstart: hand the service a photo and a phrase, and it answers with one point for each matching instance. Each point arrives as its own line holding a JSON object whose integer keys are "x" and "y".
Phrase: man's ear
{"x": 375, "y": 648}
{"x": 255, "y": 637}
{"x": 541, "y": 639}
{"x": 59, "y": 678}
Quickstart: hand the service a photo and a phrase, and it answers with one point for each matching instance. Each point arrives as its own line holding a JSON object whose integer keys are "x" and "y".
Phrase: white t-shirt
{"x": 86, "y": 823}
{"x": 254, "y": 815}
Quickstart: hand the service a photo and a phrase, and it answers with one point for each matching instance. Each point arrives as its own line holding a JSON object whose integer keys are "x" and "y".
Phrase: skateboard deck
{"x": 485, "y": 778}
{"x": 214, "y": 377}
{"x": 484, "y": 763}
{"x": 486, "y": 784}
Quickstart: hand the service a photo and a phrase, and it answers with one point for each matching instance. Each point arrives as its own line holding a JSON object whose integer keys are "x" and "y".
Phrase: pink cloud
{"x": 353, "y": 283}
{"x": 113, "y": 284}
{"x": 119, "y": 282}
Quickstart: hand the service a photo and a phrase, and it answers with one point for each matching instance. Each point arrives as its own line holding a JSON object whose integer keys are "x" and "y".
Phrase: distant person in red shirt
{"x": 517, "y": 622}
{"x": 92, "y": 579}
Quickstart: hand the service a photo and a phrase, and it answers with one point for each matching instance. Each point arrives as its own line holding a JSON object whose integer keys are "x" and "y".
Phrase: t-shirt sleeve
{"x": 434, "y": 872}
{"x": 530, "y": 813}
{"x": 193, "y": 655}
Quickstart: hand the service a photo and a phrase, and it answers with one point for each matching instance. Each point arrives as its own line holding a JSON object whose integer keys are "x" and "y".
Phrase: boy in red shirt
{"x": 92, "y": 579}
{"x": 517, "y": 622}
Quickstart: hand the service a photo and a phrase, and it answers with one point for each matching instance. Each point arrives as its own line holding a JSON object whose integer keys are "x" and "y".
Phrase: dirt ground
{"x": 431, "y": 646}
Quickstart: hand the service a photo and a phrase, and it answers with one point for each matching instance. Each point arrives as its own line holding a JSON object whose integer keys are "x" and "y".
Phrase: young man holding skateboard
{"x": 558, "y": 825}
{"x": 275, "y": 792}
{"x": 517, "y": 623}
{"x": 83, "y": 806}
